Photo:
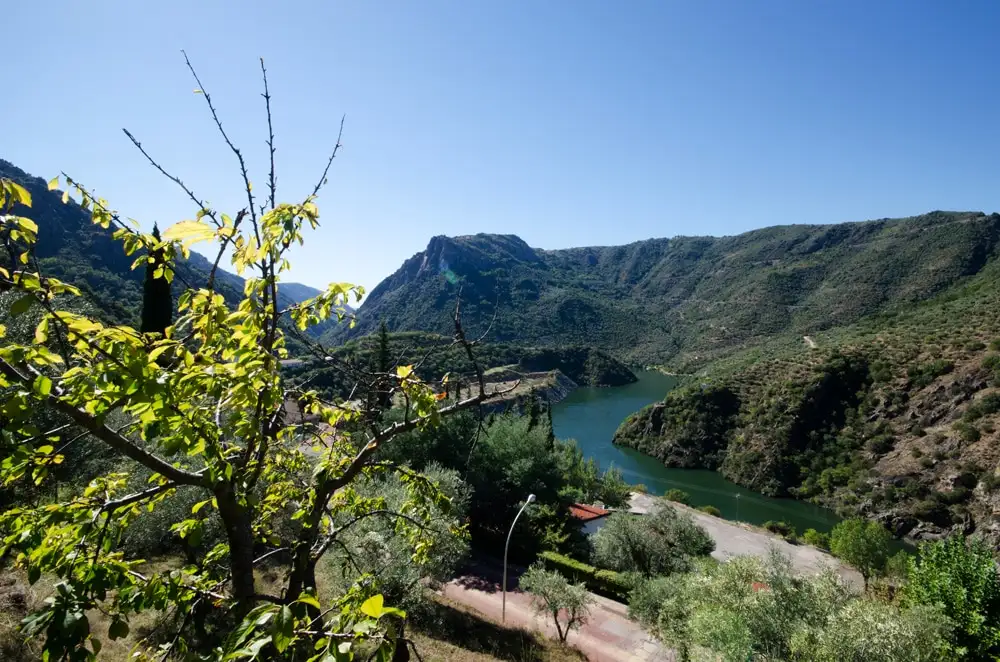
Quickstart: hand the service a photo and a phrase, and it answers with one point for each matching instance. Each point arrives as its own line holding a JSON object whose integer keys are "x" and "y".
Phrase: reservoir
{"x": 591, "y": 415}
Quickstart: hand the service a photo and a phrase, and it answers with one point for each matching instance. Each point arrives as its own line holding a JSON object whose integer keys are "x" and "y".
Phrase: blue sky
{"x": 569, "y": 123}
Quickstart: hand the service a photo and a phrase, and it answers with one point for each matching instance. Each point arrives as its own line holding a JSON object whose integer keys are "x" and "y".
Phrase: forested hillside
{"x": 894, "y": 418}
{"x": 687, "y": 299}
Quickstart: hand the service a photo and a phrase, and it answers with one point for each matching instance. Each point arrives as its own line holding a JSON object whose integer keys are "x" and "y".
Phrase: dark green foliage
{"x": 710, "y": 510}
{"x": 503, "y": 462}
{"x": 863, "y": 544}
{"x": 967, "y": 431}
{"x": 660, "y": 543}
{"x": 608, "y": 583}
{"x": 960, "y": 576}
{"x": 781, "y": 528}
{"x": 690, "y": 428}
{"x": 816, "y": 538}
{"x": 436, "y": 357}
{"x": 921, "y": 375}
{"x": 157, "y": 300}
{"x": 680, "y": 496}
{"x": 685, "y": 297}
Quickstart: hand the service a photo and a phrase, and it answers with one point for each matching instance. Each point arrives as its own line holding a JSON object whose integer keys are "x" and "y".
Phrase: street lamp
{"x": 503, "y": 611}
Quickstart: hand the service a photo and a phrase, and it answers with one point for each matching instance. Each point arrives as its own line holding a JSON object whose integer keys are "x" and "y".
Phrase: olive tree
{"x": 553, "y": 595}
{"x": 203, "y": 407}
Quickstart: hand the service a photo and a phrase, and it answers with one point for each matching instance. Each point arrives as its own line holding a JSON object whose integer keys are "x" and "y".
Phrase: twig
{"x": 272, "y": 183}
{"x": 322, "y": 179}
{"x": 201, "y": 204}
{"x": 225, "y": 136}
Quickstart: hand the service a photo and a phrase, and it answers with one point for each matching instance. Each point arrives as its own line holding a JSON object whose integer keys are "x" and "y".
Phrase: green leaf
{"x": 373, "y": 606}
{"x": 198, "y": 506}
{"x": 189, "y": 232}
{"x": 42, "y": 385}
{"x": 281, "y": 629}
{"x": 20, "y": 193}
{"x": 118, "y": 630}
{"x": 308, "y": 599}
{"x": 22, "y": 305}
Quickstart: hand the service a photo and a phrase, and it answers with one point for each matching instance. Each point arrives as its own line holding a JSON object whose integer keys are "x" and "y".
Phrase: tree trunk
{"x": 240, "y": 537}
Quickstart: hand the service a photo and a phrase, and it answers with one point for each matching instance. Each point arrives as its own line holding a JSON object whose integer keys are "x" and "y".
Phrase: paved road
{"x": 733, "y": 539}
{"x": 607, "y": 636}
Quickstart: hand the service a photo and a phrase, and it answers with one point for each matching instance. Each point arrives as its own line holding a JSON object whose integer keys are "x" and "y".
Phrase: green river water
{"x": 591, "y": 416}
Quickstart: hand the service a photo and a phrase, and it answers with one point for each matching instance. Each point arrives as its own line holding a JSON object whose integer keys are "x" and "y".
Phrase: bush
{"x": 966, "y": 431}
{"x": 816, "y": 539}
{"x": 863, "y": 544}
{"x": 608, "y": 583}
{"x": 680, "y": 496}
{"x": 711, "y": 510}
{"x": 961, "y": 577}
{"x": 648, "y": 597}
{"x": 660, "y": 543}
{"x": 779, "y": 527}
{"x": 873, "y": 631}
{"x": 916, "y": 452}
{"x": 551, "y": 594}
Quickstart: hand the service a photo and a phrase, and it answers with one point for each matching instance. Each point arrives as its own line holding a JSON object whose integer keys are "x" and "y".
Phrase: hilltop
{"x": 686, "y": 300}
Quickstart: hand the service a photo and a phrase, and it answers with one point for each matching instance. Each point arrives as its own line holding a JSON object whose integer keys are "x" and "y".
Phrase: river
{"x": 591, "y": 416}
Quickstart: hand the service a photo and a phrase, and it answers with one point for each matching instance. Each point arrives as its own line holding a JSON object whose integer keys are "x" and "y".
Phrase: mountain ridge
{"x": 682, "y": 299}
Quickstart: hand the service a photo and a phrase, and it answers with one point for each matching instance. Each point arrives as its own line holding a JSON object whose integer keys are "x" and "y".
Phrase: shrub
{"x": 608, "y": 583}
{"x": 922, "y": 375}
{"x": 961, "y": 577}
{"x": 926, "y": 462}
{"x": 781, "y": 528}
{"x": 680, "y": 496}
{"x": 966, "y": 431}
{"x": 990, "y": 481}
{"x": 863, "y": 544}
{"x": 551, "y": 594}
{"x": 711, "y": 510}
{"x": 875, "y": 631}
{"x": 660, "y": 543}
{"x": 916, "y": 452}
{"x": 881, "y": 444}
{"x": 816, "y": 538}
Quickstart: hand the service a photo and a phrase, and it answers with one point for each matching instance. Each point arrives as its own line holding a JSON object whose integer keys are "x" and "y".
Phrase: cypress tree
{"x": 157, "y": 300}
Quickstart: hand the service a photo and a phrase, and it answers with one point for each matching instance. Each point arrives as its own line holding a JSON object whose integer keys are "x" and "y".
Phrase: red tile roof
{"x": 587, "y": 513}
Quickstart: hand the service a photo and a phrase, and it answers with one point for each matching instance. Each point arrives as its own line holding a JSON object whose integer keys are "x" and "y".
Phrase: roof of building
{"x": 587, "y": 513}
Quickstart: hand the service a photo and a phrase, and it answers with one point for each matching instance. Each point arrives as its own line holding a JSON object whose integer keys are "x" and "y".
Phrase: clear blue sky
{"x": 569, "y": 123}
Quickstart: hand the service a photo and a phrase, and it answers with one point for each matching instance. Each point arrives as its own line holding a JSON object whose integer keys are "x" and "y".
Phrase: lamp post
{"x": 737, "y": 507}
{"x": 503, "y": 611}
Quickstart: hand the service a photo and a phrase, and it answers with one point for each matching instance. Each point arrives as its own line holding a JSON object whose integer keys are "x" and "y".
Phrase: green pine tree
{"x": 157, "y": 300}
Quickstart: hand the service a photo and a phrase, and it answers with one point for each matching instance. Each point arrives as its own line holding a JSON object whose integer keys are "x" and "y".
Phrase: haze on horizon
{"x": 567, "y": 123}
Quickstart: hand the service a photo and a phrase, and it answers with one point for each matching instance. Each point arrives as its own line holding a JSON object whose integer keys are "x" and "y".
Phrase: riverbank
{"x": 742, "y": 539}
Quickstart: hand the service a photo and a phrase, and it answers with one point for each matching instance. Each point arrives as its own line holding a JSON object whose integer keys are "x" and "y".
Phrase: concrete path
{"x": 737, "y": 539}
{"x": 607, "y": 636}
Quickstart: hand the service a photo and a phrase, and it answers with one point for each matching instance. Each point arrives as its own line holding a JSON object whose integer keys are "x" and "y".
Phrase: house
{"x": 592, "y": 517}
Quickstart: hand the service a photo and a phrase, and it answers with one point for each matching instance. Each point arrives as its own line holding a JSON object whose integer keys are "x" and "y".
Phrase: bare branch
{"x": 198, "y": 201}
{"x": 225, "y": 136}
{"x": 333, "y": 155}
{"x": 272, "y": 182}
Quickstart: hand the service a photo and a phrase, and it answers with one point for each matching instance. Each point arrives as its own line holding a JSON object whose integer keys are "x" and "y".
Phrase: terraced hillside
{"x": 687, "y": 300}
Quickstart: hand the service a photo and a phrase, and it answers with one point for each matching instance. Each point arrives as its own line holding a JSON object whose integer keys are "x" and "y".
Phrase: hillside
{"x": 687, "y": 299}
{"x": 72, "y": 248}
{"x": 436, "y": 356}
{"x": 895, "y": 418}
